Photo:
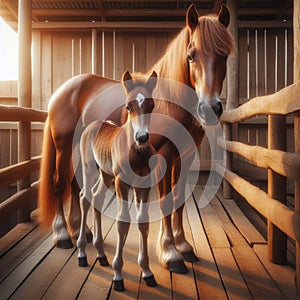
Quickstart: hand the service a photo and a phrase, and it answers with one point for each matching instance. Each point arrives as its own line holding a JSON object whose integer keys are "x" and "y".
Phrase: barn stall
{"x": 252, "y": 220}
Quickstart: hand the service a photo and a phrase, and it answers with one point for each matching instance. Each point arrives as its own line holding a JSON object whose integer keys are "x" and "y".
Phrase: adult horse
{"x": 196, "y": 58}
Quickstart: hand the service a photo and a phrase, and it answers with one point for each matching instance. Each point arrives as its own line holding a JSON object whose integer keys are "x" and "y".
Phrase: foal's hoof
{"x": 64, "y": 244}
{"x": 190, "y": 256}
{"x": 119, "y": 285}
{"x": 177, "y": 267}
{"x": 82, "y": 261}
{"x": 103, "y": 261}
{"x": 150, "y": 281}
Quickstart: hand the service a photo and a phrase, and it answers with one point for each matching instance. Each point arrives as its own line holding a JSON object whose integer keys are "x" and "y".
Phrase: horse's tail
{"x": 46, "y": 198}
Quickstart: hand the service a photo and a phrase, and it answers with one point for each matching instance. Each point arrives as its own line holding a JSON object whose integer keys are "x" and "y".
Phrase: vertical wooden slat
{"x": 94, "y": 51}
{"x": 297, "y": 127}
{"x": 260, "y": 86}
{"x": 242, "y": 50}
{"x": 270, "y": 61}
{"x": 24, "y": 92}
{"x": 232, "y": 88}
{"x": 46, "y": 66}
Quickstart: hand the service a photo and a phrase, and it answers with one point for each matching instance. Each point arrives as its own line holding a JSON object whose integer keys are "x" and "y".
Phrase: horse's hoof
{"x": 103, "y": 261}
{"x": 177, "y": 267}
{"x": 119, "y": 285}
{"x": 89, "y": 237}
{"x": 150, "y": 281}
{"x": 190, "y": 256}
{"x": 64, "y": 244}
{"x": 82, "y": 261}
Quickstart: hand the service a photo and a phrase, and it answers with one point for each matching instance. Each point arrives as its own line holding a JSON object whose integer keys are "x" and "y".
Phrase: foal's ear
{"x": 224, "y": 15}
{"x": 127, "y": 81}
{"x": 151, "y": 83}
{"x": 192, "y": 17}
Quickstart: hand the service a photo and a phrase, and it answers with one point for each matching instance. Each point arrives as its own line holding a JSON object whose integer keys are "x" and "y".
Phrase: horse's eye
{"x": 190, "y": 57}
{"x": 127, "y": 107}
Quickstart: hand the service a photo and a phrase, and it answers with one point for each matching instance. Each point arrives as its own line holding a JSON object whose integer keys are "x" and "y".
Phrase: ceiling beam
{"x": 12, "y": 8}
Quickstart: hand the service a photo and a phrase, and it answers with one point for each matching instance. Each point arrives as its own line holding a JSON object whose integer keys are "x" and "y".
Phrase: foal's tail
{"x": 46, "y": 198}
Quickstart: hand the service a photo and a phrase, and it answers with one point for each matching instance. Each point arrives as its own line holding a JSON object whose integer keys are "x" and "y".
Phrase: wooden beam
{"x": 24, "y": 92}
{"x": 271, "y": 104}
{"x": 284, "y": 163}
{"x": 297, "y": 128}
{"x": 9, "y": 113}
{"x": 232, "y": 96}
{"x": 142, "y": 25}
{"x": 113, "y": 12}
{"x": 277, "y": 189}
{"x": 11, "y": 7}
{"x": 18, "y": 171}
{"x": 279, "y": 214}
{"x": 18, "y": 201}
{"x": 168, "y": 26}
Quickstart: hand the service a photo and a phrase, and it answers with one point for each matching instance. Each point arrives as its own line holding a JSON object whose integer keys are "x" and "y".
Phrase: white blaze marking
{"x": 140, "y": 98}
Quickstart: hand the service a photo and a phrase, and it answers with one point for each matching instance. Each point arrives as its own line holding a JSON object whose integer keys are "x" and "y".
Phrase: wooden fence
{"x": 20, "y": 204}
{"x": 282, "y": 219}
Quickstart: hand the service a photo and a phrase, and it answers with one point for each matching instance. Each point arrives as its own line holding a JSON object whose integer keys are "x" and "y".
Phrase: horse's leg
{"x": 167, "y": 253}
{"x": 61, "y": 181}
{"x": 99, "y": 196}
{"x": 143, "y": 224}
{"x": 81, "y": 242}
{"x": 180, "y": 174}
{"x": 74, "y": 216}
{"x": 123, "y": 224}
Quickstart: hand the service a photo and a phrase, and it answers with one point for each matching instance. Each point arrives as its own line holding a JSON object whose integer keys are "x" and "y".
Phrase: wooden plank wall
{"x": 266, "y": 66}
{"x": 266, "y": 62}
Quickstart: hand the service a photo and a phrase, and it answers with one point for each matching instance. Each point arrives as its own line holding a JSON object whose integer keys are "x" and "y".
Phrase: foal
{"x": 117, "y": 151}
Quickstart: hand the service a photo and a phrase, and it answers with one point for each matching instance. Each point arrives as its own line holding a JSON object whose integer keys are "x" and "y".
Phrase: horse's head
{"x": 139, "y": 104}
{"x": 209, "y": 45}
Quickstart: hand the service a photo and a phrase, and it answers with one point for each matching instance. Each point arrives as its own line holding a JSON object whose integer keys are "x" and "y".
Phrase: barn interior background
{"x": 108, "y": 37}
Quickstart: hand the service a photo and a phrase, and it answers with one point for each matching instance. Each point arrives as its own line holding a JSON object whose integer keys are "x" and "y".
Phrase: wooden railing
{"x": 282, "y": 220}
{"x": 23, "y": 201}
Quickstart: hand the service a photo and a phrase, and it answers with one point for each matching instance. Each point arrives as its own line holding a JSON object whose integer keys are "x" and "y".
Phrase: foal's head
{"x": 209, "y": 45}
{"x": 139, "y": 103}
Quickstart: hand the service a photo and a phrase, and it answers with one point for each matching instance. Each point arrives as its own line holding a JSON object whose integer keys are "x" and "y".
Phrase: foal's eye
{"x": 127, "y": 107}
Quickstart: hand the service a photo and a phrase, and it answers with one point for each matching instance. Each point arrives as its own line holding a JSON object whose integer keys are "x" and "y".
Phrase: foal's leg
{"x": 143, "y": 224}
{"x": 180, "y": 174}
{"x": 99, "y": 196}
{"x": 61, "y": 182}
{"x": 90, "y": 180}
{"x": 123, "y": 225}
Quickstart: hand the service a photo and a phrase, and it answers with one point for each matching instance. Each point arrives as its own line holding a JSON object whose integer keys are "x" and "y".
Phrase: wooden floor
{"x": 233, "y": 262}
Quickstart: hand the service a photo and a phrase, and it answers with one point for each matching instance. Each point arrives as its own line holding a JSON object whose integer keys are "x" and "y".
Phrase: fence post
{"x": 277, "y": 240}
{"x": 296, "y": 26}
{"x": 232, "y": 89}
{"x": 24, "y": 93}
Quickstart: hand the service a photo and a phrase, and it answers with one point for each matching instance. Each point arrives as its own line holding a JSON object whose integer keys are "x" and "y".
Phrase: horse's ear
{"x": 127, "y": 81}
{"x": 192, "y": 17}
{"x": 224, "y": 15}
{"x": 151, "y": 83}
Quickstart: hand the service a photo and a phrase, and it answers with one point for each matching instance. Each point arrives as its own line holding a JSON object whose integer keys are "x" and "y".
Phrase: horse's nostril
{"x": 218, "y": 109}
{"x": 142, "y": 139}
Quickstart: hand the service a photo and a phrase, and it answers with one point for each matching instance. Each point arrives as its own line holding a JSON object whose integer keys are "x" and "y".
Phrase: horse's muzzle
{"x": 210, "y": 113}
{"x": 142, "y": 138}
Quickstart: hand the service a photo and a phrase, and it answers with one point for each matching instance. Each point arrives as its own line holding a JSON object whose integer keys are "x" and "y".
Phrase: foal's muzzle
{"x": 210, "y": 113}
{"x": 142, "y": 138}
